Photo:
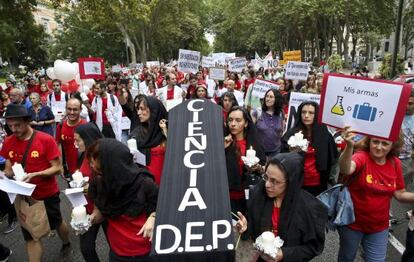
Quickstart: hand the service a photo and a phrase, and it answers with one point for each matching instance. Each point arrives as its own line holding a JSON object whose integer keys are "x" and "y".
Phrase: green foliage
{"x": 22, "y": 41}
{"x": 335, "y": 63}
{"x": 385, "y": 68}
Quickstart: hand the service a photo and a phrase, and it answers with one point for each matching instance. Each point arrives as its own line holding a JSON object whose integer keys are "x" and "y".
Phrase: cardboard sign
{"x": 220, "y": 58}
{"x": 217, "y": 73}
{"x": 371, "y": 107}
{"x": 153, "y": 64}
{"x": 292, "y": 56}
{"x": 237, "y": 64}
{"x": 207, "y": 61}
{"x": 297, "y": 70}
{"x": 188, "y": 61}
{"x": 273, "y": 63}
{"x": 193, "y": 212}
{"x": 116, "y": 68}
{"x": 91, "y": 67}
{"x": 260, "y": 87}
{"x": 296, "y": 99}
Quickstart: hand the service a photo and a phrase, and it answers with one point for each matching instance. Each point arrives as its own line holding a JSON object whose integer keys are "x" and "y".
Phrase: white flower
{"x": 298, "y": 141}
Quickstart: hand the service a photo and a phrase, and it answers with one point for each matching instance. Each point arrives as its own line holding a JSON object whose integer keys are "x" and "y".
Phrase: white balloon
{"x": 77, "y": 79}
{"x": 50, "y": 73}
{"x": 64, "y": 71}
{"x": 88, "y": 82}
{"x": 76, "y": 67}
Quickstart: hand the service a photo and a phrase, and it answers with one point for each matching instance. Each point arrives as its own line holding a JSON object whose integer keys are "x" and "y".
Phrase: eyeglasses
{"x": 272, "y": 181}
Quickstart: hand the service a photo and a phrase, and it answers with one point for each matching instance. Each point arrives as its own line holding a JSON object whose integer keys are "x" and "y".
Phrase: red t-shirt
{"x": 170, "y": 94}
{"x": 275, "y": 220}
{"x": 157, "y": 162}
{"x": 311, "y": 176}
{"x": 57, "y": 97}
{"x": 33, "y": 89}
{"x": 238, "y": 195}
{"x": 65, "y": 135}
{"x": 372, "y": 191}
{"x": 105, "y": 120}
{"x": 42, "y": 150}
{"x": 123, "y": 238}
{"x": 86, "y": 171}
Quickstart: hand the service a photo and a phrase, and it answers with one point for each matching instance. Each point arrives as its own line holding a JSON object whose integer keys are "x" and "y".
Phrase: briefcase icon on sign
{"x": 364, "y": 112}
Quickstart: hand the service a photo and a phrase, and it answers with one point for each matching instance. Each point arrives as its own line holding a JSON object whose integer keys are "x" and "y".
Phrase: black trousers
{"x": 87, "y": 244}
{"x": 4, "y": 252}
{"x": 6, "y": 207}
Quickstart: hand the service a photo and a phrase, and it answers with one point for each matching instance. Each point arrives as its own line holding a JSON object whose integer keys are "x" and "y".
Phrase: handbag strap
{"x": 23, "y": 163}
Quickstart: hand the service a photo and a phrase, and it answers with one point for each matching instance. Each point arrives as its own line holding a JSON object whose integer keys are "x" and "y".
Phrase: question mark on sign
{"x": 380, "y": 113}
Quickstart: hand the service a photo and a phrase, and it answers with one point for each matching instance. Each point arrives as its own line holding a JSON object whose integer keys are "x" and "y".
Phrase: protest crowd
{"x": 114, "y": 131}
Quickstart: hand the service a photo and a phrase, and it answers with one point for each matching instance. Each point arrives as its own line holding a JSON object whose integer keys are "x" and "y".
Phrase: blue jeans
{"x": 374, "y": 245}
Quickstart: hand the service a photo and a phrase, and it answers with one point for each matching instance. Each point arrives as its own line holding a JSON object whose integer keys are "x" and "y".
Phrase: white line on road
{"x": 397, "y": 244}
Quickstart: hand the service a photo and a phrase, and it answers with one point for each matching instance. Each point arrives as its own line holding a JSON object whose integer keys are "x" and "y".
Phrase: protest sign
{"x": 297, "y": 70}
{"x": 220, "y": 58}
{"x": 188, "y": 61}
{"x": 207, "y": 61}
{"x": 292, "y": 56}
{"x": 153, "y": 63}
{"x": 237, "y": 64}
{"x": 91, "y": 67}
{"x": 193, "y": 213}
{"x": 371, "y": 107}
{"x": 296, "y": 99}
{"x": 116, "y": 68}
{"x": 260, "y": 87}
{"x": 270, "y": 63}
{"x": 217, "y": 73}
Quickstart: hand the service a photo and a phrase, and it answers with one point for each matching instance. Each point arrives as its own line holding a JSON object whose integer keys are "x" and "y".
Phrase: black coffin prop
{"x": 193, "y": 219}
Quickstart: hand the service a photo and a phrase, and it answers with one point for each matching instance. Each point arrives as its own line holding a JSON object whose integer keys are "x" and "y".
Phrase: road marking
{"x": 397, "y": 244}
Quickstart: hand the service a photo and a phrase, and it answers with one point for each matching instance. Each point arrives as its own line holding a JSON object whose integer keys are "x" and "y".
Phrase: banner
{"x": 217, "y": 73}
{"x": 91, "y": 67}
{"x": 237, "y": 64}
{"x": 371, "y": 107}
{"x": 292, "y": 56}
{"x": 260, "y": 87}
{"x": 153, "y": 63}
{"x": 296, "y": 99}
{"x": 193, "y": 209}
{"x": 297, "y": 70}
{"x": 188, "y": 61}
{"x": 207, "y": 61}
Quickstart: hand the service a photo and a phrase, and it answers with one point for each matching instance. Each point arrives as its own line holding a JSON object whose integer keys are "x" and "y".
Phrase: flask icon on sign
{"x": 338, "y": 109}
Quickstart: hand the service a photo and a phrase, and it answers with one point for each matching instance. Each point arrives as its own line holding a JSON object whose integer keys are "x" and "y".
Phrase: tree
{"x": 22, "y": 41}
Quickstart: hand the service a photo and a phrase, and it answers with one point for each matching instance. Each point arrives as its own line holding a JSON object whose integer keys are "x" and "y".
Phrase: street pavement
{"x": 52, "y": 245}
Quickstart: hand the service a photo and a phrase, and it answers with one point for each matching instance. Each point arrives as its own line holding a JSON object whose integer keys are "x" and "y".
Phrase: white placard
{"x": 220, "y": 58}
{"x": 92, "y": 68}
{"x": 217, "y": 73}
{"x": 297, "y": 70}
{"x": 13, "y": 188}
{"x": 296, "y": 99}
{"x": 138, "y": 157}
{"x": 125, "y": 70}
{"x": 76, "y": 196}
{"x": 260, "y": 87}
{"x": 237, "y": 64}
{"x": 207, "y": 61}
{"x": 188, "y": 61}
{"x": 153, "y": 63}
{"x": 116, "y": 68}
{"x": 271, "y": 63}
{"x": 368, "y": 106}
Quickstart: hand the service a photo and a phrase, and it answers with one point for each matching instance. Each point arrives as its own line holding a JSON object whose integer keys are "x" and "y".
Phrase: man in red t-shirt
{"x": 42, "y": 163}
{"x": 65, "y": 133}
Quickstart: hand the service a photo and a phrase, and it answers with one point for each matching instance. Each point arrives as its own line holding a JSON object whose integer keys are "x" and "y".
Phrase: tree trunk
{"x": 354, "y": 43}
{"x": 130, "y": 44}
{"x": 346, "y": 47}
